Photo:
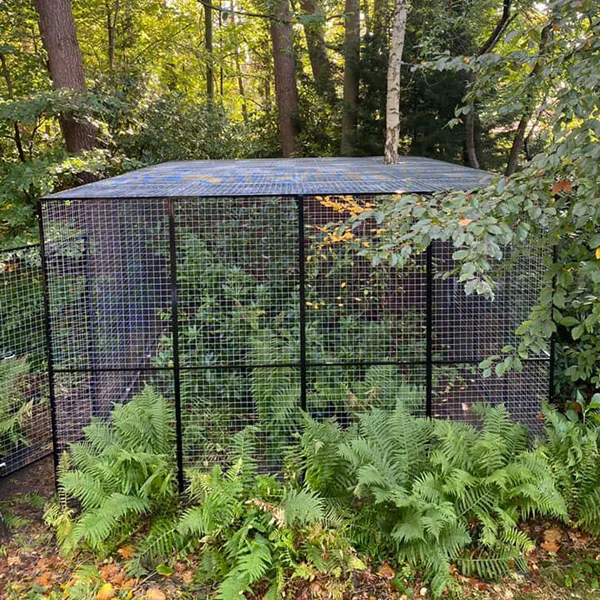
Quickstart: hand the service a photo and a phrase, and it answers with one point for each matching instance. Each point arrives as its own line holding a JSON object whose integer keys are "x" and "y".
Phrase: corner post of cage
{"x": 175, "y": 336}
{"x": 48, "y": 338}
{"x": 429, "y": 329}
{"x": 92, "y": 349}
{"x": 302, "y": 299}
{"x": 552, "y": 344}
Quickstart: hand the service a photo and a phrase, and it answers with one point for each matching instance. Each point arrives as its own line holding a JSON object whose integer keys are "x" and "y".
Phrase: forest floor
{"x": 564, "y": 565}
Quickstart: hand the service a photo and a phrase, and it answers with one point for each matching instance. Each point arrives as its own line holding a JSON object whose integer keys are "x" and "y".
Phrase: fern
{"x": 14, "y": 409}
{"x": 572, "y": 447}
{"x": 123, "y": 471}
{"x": 434, "y": 493}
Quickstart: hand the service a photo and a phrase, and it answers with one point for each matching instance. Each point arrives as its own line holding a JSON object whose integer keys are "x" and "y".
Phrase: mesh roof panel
{"x": 299, "y": 176}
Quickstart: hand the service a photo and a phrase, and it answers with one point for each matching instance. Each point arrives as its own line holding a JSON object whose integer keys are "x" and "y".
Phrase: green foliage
{"x": 122, "y": 472}
{"x": 14, "y": 408}
{"x": 434, "y": 493}
{"x": 572, "y": 445}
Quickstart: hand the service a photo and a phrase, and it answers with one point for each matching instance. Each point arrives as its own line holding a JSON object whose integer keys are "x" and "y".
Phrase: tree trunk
{"x": 238, "y": 67}
{"x": 517, "y": 145}
{"x": 208, "y": 44}
{"x": 351, "y": 76}
{"x": 111, "y": 30}
{"x": 9, "y": 88}
{"x": 286, "y": 91}
{"x": 59, "y": 37}
{"x": 317, "y": 51}
{"x": 392, "y": 107}
{"x": 471, "y": 138}
{"x": 470, "y": 135}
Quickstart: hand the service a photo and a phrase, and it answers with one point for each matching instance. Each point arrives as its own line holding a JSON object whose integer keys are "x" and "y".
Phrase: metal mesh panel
{"x": 469, "y": 328}
{"x": 23, "y": 377}
{"x": 268, "y": 320}
{"x": 340, "y": 393}
{"x": 354, "y": 312}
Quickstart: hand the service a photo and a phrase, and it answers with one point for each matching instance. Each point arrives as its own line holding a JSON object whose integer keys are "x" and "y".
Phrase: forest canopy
{"x": 141, "y": 82}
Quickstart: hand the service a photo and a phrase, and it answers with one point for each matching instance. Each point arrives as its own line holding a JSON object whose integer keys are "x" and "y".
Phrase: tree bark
{"x": 351, "y": 76}
{"x": 286, "y": 90}
{"x": 10, "y": 92}
{"x": 470, "y": 136}
{"x": 57, "y": 28}
{"x": 208, "y": 44}
{"x": 111, "y": 30}
{"x": 238, "y": 67}
{"x": 317, "y": 51}
{"x": 518, "y": 140}
{"x": 471, "y": 117}
{"x": 392, "y": 107}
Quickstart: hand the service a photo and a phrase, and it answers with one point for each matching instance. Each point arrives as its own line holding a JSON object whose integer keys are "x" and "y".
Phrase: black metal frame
{"x": 303, "y": 365}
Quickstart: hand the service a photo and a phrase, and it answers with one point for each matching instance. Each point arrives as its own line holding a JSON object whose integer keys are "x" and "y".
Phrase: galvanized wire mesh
{"x": 25, "y": 431}
{"x": 243, "y": 314}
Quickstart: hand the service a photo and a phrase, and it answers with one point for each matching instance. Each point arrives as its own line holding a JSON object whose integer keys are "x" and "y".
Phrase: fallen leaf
{"x": 112, "y": 573}
{"x": 552, "y": 538}
{"x": 126, "y": 552}
{"x": 187, "y": 577}
{"x": 562, "y": 186}
{"x": 45, "y": 579}
{"x": 386, "y": 571}
{"x": 106, "y": 592}
{"x": 154, "y": 593}
{"x": 465, "y": 222}
{"x": 579, "y": 539}
{"x": 164, "y": 570}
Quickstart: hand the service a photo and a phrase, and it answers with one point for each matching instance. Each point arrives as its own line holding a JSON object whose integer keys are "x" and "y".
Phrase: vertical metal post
{"x": 551, "y": 373}
{"x": 175, "y": 331}
{"x": 302, "y": 300}
{"x": 48, "y": 336}
{"x": 429, "y": 330}
{"x": 89, "y": 292}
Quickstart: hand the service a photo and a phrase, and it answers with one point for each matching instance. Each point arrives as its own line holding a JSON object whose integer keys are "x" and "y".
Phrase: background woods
{"x": 102, "y": 86}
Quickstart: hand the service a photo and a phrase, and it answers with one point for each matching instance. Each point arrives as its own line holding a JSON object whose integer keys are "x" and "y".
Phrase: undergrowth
{"x": 429, "y": 494}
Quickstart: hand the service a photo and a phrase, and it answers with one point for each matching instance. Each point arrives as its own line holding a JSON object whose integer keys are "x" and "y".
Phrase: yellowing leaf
{"x": 154, "y": 593}
{"x": 598, "y": 253}
{"x": 465, "y": 222}
{"x": 562, "y": 186}
{"x": 106, "y": 592}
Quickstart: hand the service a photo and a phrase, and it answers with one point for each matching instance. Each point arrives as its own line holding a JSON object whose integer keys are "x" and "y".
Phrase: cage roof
{"x": 284, "y": 176}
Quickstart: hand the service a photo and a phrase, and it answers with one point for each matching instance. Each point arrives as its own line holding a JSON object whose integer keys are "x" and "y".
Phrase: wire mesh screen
{"x": 25, "y": 431}
{"x": 247, "y": 313}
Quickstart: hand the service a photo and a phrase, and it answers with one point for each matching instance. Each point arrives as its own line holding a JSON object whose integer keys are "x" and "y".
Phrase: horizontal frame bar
{"x": 298, "y": 365}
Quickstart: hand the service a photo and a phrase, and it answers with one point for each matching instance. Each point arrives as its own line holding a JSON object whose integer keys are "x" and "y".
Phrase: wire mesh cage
{"x": 235, "y": 308}
{"x": 25, "y": 430}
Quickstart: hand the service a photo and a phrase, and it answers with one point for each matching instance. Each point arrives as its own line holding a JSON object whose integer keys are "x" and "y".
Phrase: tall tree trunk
{"x": 471, "y": 138}
{"x": 238, "y": 67}
{"x": 208, "y": 44}
{"x": 111, "y": 30}
{"x": 286, "y": 90}
{"x": 470, "y": 134}
{"x": 317, "y": 51}
{"x": 351, "y": 76}
{"x": 392, "y": 107}
{"x": 10, "y": 92}
{"x": 59, "y": 37}
{"x": 518, "y": 140}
